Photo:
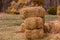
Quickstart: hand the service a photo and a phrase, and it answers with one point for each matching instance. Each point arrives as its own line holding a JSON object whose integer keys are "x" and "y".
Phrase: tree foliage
{"x": 52, "y": 10}
{"x": 0, "y": 3}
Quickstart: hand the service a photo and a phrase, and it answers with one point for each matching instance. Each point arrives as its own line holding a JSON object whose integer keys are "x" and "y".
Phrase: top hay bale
{"x": 32, "y": 12}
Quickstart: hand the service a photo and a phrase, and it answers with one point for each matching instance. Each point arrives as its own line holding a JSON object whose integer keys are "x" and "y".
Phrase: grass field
{"x": 9, "y": 25}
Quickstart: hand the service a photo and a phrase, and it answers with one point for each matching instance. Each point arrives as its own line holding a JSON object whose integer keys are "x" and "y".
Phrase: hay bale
{"x": 53, "y": 37}
{"x": 32, "y": 12}
{"x": 31, "y": 23}
{"x": 37, "y": 34}
{"x": 28, "y": 34}
{"x": 34, "y": 34}
{"x": 39, "y": 22}
{"x": 55, "y": 26}
{"x": 46, "y": 27}
{"x": 22, "y": 27}
{"x": 34, "y": 23}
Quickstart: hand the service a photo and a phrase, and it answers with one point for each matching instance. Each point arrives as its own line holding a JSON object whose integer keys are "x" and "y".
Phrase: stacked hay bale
{"x": 55, "y": 27}
{"x": 32, "y": 12}
{"x": 53, "y": 37}
{"x": 52, "y": 27}
{"x": 33, "y": 22}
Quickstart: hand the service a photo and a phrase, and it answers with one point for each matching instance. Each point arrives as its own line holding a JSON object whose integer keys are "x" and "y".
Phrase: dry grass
{"x": 9, "y": 25}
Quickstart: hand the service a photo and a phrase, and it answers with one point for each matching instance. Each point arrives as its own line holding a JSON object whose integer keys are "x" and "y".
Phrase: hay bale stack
{"x": 32, "y": 12}
{"x": 58, "y": 12}
{"x": 33, "y": 22}
{"x": 54, "y": 27}
{"x": 53, "y": 37}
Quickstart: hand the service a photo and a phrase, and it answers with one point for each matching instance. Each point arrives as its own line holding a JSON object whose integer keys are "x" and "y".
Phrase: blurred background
{"x": 10, "y": 15}
{"x": 18, "y": 4}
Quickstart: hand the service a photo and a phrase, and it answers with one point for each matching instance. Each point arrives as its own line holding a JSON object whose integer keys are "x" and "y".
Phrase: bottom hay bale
{"x": 34, "y": 34}
{"x": 37, "y": 33}
{"x": 28, "y": 34}
{"x": 53, "y": 37}
{"x": 52, "y": 27}
{"x": 55, "y": 27}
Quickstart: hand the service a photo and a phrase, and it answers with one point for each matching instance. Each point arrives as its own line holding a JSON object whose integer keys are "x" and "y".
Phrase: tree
{"x": 0, "y": 4}
{"x": 52, "y": 10}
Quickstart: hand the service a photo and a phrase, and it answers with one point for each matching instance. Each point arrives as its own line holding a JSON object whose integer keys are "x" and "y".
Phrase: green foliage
{"x": 0, "y": 3}
{"x": 52, "y": 10}
{"x": 39, "y": 1}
